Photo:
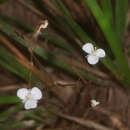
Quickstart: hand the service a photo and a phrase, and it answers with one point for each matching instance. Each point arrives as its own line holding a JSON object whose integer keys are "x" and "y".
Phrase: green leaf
{"x": 75, "y": 27}
{"x": 9, "y": 99}
{"x": 9, "y": 62}
{"x": 107, "y": 9}
{"x": 121, "y": 11}
{"x": 33, "y": 116}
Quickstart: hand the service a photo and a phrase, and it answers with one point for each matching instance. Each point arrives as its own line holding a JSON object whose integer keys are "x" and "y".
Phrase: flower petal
{"x": 88, "y": 48}
{"x": 22, "y": 93}
{"x": 100, "y": 52}
{"x": 36, "y": 93}
{"x": 30, "y": 104}
{"x": 92, "y": 59}
{"x": 94, "y": 103}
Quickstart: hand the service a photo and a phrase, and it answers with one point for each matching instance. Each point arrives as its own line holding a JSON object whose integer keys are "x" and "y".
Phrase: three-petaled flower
{"x": 93, "y": 53}
{"x": 94, "y": 103}
{"x": 29, "y": 97}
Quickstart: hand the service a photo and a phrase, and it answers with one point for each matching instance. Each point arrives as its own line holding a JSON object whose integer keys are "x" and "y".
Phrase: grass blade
{"x": 9, "y": 99}
{"x": 121, "y": 10}
{"x": 107, "y": 9}
{"x": 9, "y": 62}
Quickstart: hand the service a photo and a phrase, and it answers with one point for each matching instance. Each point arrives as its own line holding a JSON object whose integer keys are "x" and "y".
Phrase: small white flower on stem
{"x": 94, "y": 103}
{"x": 29, "y": 97}
{"x": 93, "y": 54}
{"x": 42, "y": 25}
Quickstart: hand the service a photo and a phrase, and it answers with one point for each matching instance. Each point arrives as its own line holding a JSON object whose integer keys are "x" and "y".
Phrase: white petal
{"x": 36, "y": 93}
{"x": 92, "y": 59}
{"x": 88, "y": 48}
{"x": 94, "y": 103}
{"x": 22, "y": 93}
{"x": 30, "y": 104}
{"x": 100, "y": 52}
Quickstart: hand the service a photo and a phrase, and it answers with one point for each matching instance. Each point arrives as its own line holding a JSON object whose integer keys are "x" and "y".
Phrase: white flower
{"x": 94, "y": 103}
{"x": 93, "y": 53}
{"x": 29, "y": 97}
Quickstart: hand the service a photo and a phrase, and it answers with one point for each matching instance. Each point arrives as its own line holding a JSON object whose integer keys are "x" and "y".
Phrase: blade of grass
{"x": 75, "y": 27}
{"x": 9, "y": 62}
{"x": 111, "y": 37}
{"x": 107, "y": 9}
{"x": 33, "y": 116}
{"x": 9, "y": 99}
{"x": 121, "y": 11}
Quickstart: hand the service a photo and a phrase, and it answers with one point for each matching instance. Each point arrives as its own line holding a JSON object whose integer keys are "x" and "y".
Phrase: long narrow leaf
{"x": 9, "y": 99}
{"x": 9, "y": 62}
{"x": 107, "y": 9}
{"x": 121, "y": 10}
